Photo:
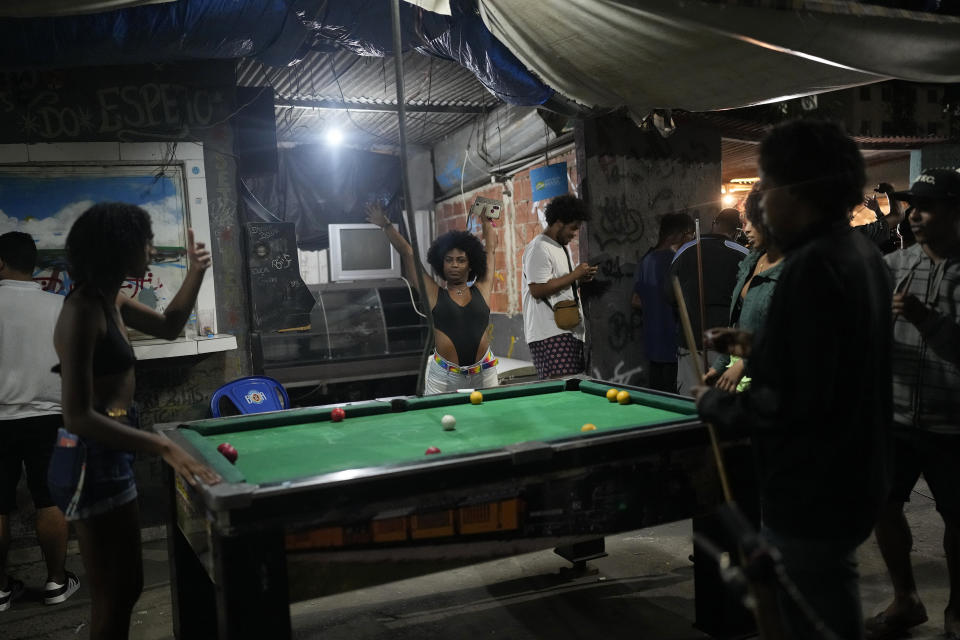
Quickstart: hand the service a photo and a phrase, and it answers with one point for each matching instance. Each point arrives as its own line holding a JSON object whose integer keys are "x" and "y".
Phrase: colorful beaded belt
{"x": 467, "y": 371}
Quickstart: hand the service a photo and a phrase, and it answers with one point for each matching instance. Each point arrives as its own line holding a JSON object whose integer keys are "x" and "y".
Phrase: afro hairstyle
{"x": 466, "y": 242}
{"x": 566, "y": 209}
{"x": 106, "y": 241}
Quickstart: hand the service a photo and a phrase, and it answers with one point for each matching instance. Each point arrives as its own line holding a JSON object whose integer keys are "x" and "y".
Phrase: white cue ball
{"x": 449, "y": 422}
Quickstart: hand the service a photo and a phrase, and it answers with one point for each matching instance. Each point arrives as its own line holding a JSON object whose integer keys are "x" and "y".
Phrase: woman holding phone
{"x": 461, "y": 316}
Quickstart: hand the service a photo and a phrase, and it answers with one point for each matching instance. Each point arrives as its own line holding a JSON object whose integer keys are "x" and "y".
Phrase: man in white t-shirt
{"x": 30, "y": 413}
{"x": 548, "y": 278}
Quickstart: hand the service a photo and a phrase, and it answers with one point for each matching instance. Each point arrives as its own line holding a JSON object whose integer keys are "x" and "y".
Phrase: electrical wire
{"x": 343, "y": 99}
{"x": 412, "y": 303}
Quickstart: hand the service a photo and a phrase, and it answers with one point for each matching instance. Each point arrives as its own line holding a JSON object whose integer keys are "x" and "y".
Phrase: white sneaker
{"x": 14, "y": 591}
{"x": 55, "y": 593}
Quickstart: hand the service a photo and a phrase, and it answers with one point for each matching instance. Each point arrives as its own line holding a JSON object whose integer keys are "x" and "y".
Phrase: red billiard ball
{"x": 431, "y": 450}
{"x": 338, "y": 414}
{"x": 229, "y": 452}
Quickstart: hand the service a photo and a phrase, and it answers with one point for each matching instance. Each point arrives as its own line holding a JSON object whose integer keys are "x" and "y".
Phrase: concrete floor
{"x": 642, "y": 589}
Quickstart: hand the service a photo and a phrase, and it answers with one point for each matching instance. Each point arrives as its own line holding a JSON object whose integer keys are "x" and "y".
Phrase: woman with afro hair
{"x": 90, "y": 473}
{"x": 462, "y": 357}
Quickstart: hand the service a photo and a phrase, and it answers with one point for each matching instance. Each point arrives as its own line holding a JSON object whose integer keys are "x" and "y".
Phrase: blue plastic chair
{"x": 252, "y": 394}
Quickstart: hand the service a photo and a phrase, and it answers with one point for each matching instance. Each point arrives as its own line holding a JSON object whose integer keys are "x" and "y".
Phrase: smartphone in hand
{"x": 598, "y": 259}
{"x": 486, "y": 207}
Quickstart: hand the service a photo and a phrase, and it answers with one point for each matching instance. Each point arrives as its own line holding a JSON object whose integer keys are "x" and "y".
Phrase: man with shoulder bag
{"x": 552, "y": 315}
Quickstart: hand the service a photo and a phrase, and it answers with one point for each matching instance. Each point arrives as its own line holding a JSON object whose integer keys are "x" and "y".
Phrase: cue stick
{"x": 703, "y": 304}
{"x": 765, "y": 613}
{"x": 698, "y": 372}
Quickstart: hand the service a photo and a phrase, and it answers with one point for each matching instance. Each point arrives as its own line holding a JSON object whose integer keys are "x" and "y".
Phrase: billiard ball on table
{"x": 228, "y": 451}
{"x": 449, "y": 422}
{"x": 337, "y": 414}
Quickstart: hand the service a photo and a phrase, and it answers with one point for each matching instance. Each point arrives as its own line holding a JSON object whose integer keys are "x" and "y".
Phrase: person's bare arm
{"x": 734, "y": 342}
{"x": 376, "y": 215}
{"x": 583, "y": 271}
{"x": 169, "y": 323}
{"x": 81, "y": 323}
{"x": 490, "y": 246}
{"x": 895, "y": 215}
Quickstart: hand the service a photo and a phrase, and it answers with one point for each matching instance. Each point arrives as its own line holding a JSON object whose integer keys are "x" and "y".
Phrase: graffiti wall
{"x": 631, "y": 178}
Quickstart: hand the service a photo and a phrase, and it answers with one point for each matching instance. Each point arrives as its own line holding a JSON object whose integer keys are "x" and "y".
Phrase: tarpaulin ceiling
{"x": 33, "y": 8}
{"x": 278, "y": 33}
{"x": 702, "y": 55}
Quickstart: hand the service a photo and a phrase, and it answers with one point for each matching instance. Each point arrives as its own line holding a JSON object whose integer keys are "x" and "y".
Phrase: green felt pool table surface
{"x": 285, "y": 446}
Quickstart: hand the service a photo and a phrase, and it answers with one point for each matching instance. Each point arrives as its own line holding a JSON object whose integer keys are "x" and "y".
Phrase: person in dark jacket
{"x": 819, "y": 406}
{"x": 659, "y": 318}
{"x": 721, "y": 258}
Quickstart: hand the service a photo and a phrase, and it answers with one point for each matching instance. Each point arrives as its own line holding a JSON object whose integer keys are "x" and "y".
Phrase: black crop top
{"x": 112, "y": 353}
{"x": 465, "y": 325}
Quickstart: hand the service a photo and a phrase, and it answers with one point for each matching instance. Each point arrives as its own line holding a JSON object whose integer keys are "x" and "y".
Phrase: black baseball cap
{"x": 932, "y": 184}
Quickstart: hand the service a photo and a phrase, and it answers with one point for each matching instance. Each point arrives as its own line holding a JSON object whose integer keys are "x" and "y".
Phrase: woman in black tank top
{"x": 108, "y": 243}
{"x": 460, "y": 311}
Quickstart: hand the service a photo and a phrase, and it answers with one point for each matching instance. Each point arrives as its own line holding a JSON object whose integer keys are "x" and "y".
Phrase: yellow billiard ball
{"x": 612, "y": 395}
{"x": 588, "y": 427}
{"x": 623, "y": 397}
{"x": 476, "y": 397}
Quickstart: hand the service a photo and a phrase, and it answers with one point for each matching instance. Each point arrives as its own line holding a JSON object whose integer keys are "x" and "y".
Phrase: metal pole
{"x": 703, "y": 304}
{"x": 407, "y": 200}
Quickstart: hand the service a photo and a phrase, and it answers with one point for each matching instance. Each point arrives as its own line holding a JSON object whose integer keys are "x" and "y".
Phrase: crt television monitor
{"x": 361, "y": 252}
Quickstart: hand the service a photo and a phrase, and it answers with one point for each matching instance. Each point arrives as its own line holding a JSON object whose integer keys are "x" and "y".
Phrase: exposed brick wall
{"x": 519, "y": 225}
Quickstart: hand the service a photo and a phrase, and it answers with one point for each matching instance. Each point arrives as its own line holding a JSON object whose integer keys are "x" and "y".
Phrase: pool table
{"x": 517, "y": 473}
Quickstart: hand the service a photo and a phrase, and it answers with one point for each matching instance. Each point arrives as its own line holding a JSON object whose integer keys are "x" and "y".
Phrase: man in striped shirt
{"x": 926, "y": 394}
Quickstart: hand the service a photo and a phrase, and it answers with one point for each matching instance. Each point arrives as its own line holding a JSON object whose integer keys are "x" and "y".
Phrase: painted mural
{"x": 44, "y": 201}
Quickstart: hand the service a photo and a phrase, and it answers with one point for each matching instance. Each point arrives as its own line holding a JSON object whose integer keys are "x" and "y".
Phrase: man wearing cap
{"x": 926, "y": 394}
{"x": 720, "y": 257}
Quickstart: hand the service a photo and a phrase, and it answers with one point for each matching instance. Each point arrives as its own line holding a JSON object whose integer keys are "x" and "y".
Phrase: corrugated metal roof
{"x": 739, "y": 159}
{"x": 346, "y": 77}
{"x": 748, "y": 131}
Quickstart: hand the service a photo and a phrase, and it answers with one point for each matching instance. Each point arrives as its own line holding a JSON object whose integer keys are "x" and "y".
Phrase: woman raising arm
{"x": 462, "y": 358}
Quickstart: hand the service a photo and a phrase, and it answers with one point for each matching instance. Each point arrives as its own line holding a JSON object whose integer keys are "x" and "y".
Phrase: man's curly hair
{"x": 818, "y": 162}
{"x": 566, "y": 209}
{"x": 105, "y": 243}
{"x": 466, "y": 242}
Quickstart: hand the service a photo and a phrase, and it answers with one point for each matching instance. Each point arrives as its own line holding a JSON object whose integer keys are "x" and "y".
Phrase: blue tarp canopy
{"x": 274, "y": 32}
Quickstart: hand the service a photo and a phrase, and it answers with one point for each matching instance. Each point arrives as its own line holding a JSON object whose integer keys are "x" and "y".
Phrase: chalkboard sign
{"x": 278, "y": 296}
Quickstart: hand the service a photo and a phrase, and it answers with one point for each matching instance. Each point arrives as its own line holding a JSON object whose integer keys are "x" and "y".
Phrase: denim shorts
{"x": 441, "y": 380}
{"x": 86, "y": 478}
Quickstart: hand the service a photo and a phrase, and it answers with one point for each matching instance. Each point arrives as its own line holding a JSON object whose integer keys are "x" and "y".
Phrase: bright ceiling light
{"x": 728, "y": 200}
{"x": 334, "y": 137}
